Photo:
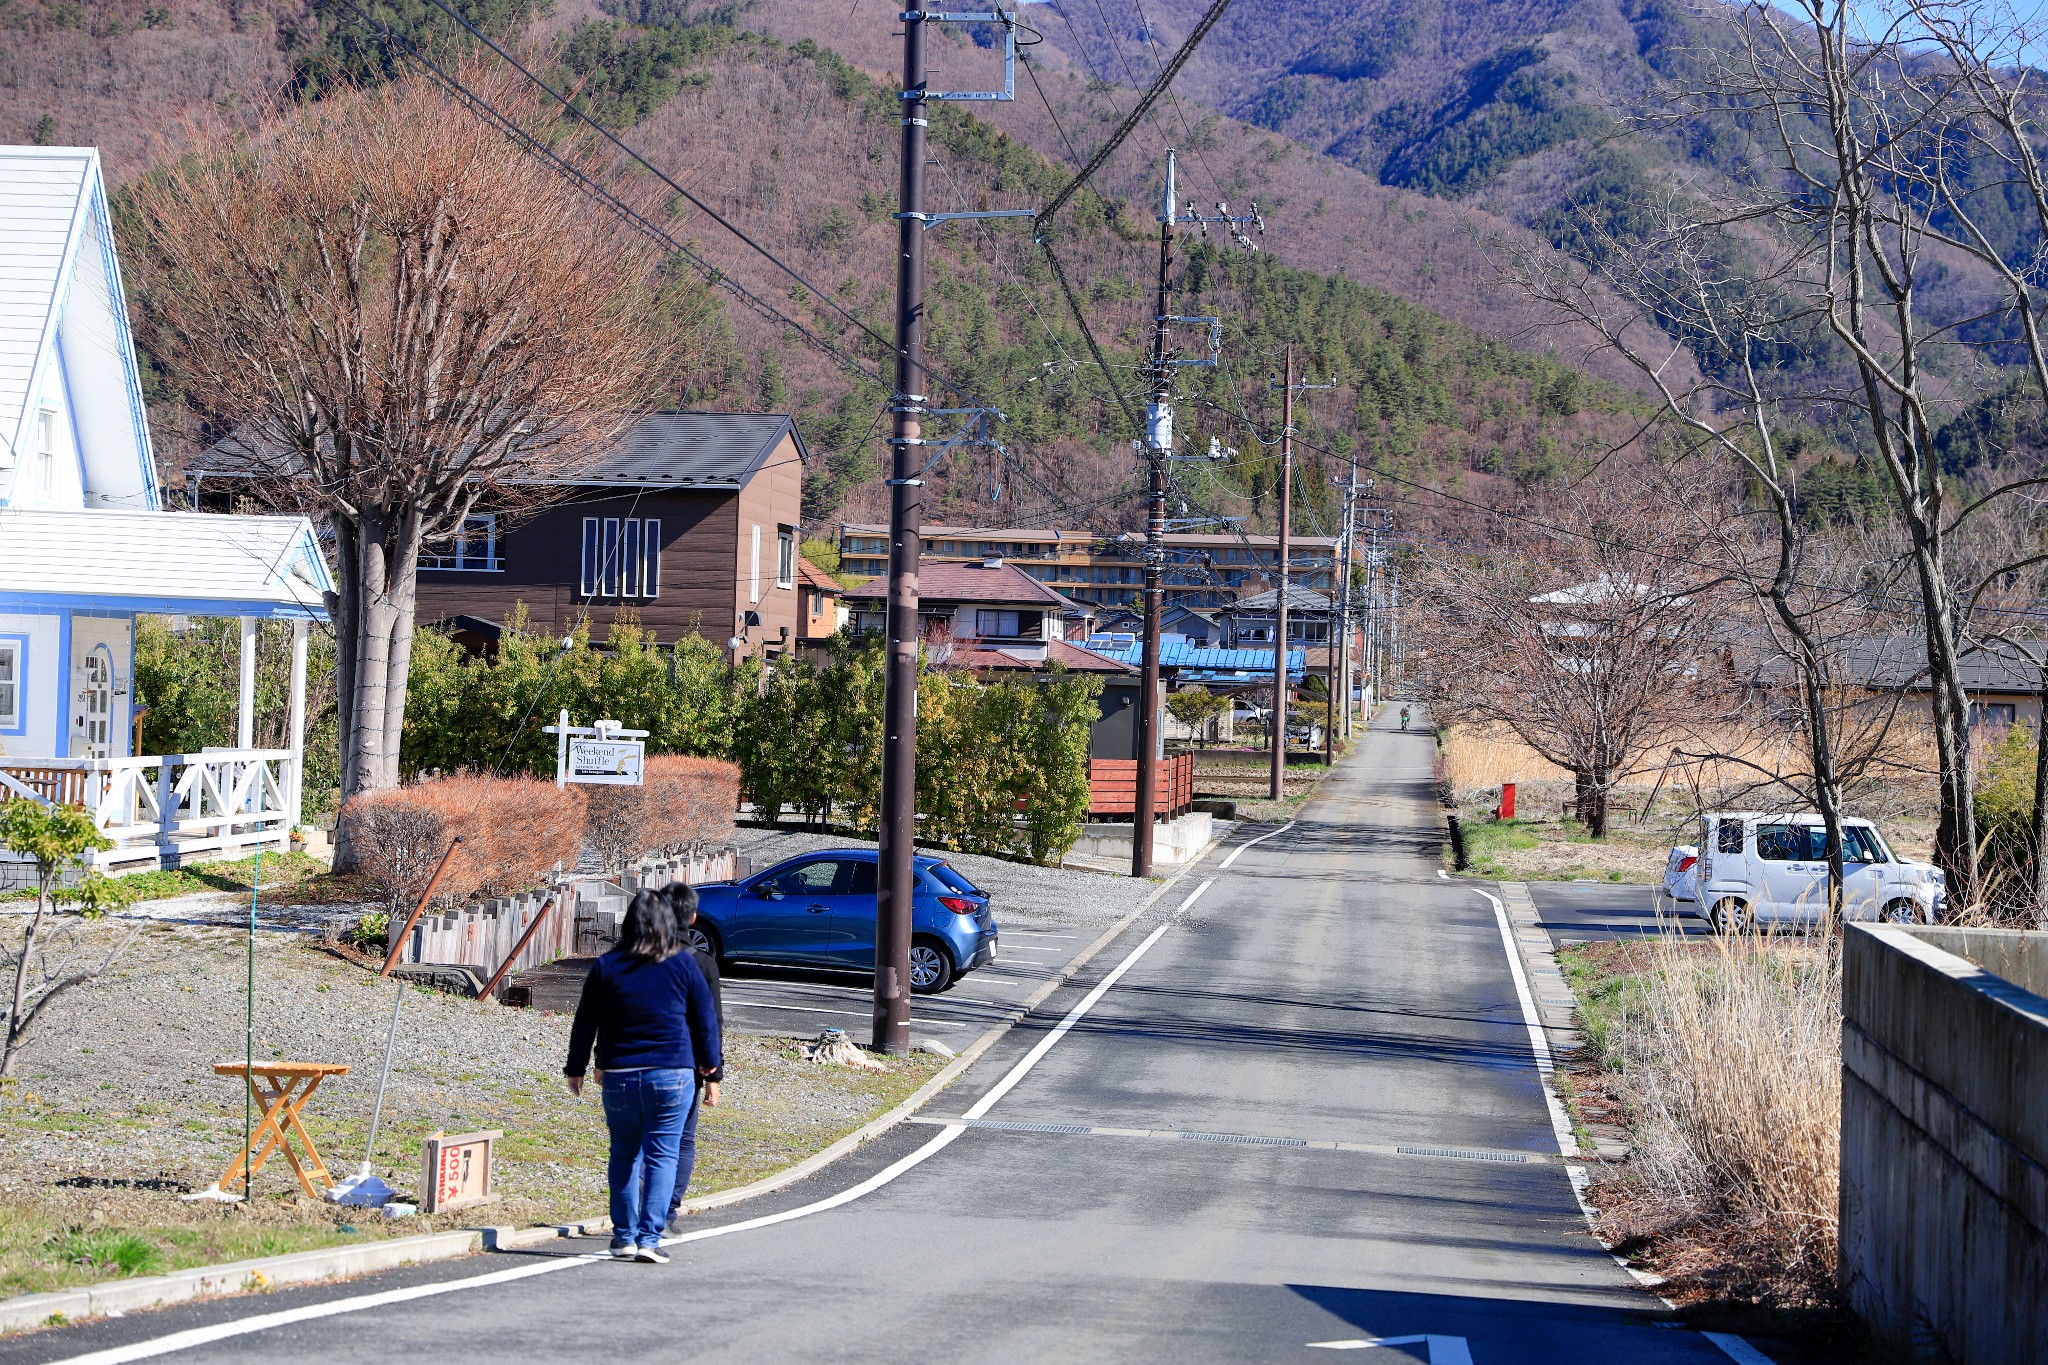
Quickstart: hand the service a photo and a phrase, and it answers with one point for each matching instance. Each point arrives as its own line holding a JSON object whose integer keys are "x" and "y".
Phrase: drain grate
{"x": 1462, "y": 1154}
{"x": 1008, "y": 1127}
{"x": 1244, "y": 1139}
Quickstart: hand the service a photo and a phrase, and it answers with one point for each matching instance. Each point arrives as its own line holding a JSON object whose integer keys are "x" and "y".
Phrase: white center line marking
{"x": 223, "y": 1331}
{"x": 1238, "y": 852}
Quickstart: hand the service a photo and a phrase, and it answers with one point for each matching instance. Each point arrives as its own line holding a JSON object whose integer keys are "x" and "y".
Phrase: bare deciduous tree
{"x": 1584, "y": 642}
{"x": 399, "y": 313}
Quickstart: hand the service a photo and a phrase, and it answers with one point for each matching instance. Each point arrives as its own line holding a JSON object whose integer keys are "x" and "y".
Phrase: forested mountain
{"x": 796, "y": 145}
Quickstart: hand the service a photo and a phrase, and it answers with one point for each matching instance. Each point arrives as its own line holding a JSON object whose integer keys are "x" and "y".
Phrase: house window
{"x": 474, "y": 551}
{"x": 10, "y": 685}
{"x": 1993, "y": 712}
{"x": 621, "y": 557}
{"x": 754, "y": 569}
{"x": 996, "y": 625}
{"x": 785, "y": 558}
{"x": 46, "y": 452}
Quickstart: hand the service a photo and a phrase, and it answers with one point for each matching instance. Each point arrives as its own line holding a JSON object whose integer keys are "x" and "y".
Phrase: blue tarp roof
{"x": 1189, "y": 658}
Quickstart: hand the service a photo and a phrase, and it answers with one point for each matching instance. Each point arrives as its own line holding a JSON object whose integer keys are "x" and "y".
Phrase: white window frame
{"x": 650, "y": 546}
{"x": 46, "y": 452}
{"x": 13, "y": 650}
{"x": 785, "y": 557}
{"x": 754, "y": 571}
{"x": 460, "y": 559}
{"x": 621, "y": 558}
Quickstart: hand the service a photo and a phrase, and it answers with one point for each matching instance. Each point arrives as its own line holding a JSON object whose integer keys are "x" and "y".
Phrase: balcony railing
{"x": 163, "y": 809}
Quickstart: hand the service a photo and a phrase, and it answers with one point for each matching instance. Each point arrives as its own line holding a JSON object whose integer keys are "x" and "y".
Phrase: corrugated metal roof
{"x": 42, "y": 191}
{"x": 162, "y": 562}
{"x": 1181, "y": 655}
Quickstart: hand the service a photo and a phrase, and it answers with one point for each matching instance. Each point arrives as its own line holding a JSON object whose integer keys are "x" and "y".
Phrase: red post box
{"x": 1506, "y": 809}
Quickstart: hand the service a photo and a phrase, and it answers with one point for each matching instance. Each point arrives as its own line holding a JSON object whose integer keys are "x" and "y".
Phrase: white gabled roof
{"x": 200, "y": 563}
{"x": 64, "y": 321}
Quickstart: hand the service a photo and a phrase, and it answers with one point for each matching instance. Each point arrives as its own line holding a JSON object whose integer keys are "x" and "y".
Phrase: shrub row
{"x": 1002, "y": 765}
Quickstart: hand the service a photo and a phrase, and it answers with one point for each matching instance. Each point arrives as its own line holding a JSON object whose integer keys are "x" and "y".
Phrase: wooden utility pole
{"x": 1280, "y": 593}
{"x": 899, "y": 685}
{"x": 1158, "y": 449}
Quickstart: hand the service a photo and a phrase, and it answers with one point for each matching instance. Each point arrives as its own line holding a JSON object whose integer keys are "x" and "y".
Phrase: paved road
{"x": 1576, "y": 912}
{"x": 1258, "y": 1059}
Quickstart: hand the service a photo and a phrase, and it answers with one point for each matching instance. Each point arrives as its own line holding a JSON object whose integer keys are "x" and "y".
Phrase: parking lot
{"x": 1046, "y": 916}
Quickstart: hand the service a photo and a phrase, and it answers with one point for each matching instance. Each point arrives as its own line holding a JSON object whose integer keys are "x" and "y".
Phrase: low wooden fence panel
{"x": 1113, "y": 786}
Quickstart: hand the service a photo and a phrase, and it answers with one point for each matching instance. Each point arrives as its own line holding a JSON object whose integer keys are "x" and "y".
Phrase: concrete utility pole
{"x": 1279, "y": 783}
{"x": 899, "y": 684}
{"x": 1338, "y": 632}
{"x": 1158, "y": 449}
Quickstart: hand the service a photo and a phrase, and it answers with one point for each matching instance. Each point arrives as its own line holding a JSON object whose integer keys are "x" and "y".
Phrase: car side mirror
{"x": 768, "y": 891}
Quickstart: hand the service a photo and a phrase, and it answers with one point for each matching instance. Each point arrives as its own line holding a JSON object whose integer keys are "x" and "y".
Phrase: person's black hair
{"x": 650, "y": 929}
{"x": 682, "y": 899}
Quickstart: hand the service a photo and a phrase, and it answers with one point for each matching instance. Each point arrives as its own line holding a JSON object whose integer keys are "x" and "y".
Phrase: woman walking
{"x": 682, "y": 900}
{"x": 649, "y": 1013}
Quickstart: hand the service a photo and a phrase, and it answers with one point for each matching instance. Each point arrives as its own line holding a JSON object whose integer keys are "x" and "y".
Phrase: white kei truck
{"x": 1759, "y": 869}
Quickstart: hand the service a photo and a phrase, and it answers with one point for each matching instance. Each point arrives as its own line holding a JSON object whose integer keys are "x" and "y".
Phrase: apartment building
{"x": 1203, "y": 570}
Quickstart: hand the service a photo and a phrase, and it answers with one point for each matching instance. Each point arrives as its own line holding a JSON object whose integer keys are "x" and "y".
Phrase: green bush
{"x": 2005, "y": 825}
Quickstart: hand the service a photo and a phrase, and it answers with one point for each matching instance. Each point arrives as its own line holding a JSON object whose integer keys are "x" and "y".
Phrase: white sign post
{"x": 605, "y": 753}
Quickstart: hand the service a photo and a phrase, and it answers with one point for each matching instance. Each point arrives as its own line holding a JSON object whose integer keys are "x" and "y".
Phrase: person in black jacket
{"x": 649, "y": 1012}
{"x": 682, "y": 900}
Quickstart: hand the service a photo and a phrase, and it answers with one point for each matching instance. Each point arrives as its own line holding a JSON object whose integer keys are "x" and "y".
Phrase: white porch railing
{"x": 164, "y": 809}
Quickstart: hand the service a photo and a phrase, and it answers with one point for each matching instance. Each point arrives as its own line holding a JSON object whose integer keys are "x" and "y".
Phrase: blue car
{"x": 818, "y": 910}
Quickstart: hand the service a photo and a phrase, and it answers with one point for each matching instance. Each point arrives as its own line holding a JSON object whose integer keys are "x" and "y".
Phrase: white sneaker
{"x": 651, "y": 1256}
{"x": 623, "y": 1251}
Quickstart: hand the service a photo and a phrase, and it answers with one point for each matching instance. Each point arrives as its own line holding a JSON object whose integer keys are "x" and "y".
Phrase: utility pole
{"x": 1335, "y": 636}
{"x": 899, "y": 684}
{"x": 1279, "y": 783}
{"x": 1158, "y": 449}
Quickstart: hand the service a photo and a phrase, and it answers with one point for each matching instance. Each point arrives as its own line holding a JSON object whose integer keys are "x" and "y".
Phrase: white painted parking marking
{"x": 1442, "y": 1350}
{"x": 1021, "y": 948}
{"x": 945, "y": 1137}
{"x": 813, "y": 1009}
{"x": 1238, "y": 852}
{"x": 1034, "y": 933}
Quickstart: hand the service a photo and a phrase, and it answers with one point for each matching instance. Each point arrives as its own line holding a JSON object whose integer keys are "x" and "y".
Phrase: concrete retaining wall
{"x": 1945, "y": 1140}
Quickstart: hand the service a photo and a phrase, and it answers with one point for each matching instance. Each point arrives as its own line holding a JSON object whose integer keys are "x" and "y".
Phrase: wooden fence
{"x": 484, "y": 935}
{"x": 1113, "y": 786}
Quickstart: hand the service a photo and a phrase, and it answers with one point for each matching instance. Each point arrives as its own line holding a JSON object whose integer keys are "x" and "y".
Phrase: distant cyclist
{"x": 1404, "y": 718}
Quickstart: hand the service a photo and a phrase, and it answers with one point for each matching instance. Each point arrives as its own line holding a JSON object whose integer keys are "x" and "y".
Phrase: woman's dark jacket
{"x": 641, "y": 1013}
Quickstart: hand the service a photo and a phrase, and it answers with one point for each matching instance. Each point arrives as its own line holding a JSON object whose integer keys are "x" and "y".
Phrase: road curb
{"x": 61, "y": 1307}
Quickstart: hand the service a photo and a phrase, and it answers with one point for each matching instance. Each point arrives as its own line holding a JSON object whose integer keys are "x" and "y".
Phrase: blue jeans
{"x": 686, "y": 1154}
{"x": 645, "y": 1111}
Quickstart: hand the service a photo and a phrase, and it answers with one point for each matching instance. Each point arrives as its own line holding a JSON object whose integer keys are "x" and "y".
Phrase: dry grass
{"x": 1730, "y": 1060}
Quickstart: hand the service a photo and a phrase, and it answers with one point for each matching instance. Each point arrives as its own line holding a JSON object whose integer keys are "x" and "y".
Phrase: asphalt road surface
{"x": 1578, "y": 912}
{"x": 1292, "y": 1109}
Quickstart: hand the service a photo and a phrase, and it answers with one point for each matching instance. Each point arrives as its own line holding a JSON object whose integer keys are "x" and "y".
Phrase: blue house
{"x": 86, "y": 546}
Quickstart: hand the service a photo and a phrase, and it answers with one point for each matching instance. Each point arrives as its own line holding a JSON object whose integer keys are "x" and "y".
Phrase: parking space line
{"x": 850, "y": 1014}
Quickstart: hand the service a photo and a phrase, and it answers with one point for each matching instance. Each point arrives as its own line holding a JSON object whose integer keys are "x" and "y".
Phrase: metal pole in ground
{"x": 1279, "y": 783}
{"x": 899, "y": 687}
{"x": 1159, "y": 447}
{"x": 1342, "y": 633}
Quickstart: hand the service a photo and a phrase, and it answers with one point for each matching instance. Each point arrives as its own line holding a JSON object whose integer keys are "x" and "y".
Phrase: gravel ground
{"x": 116, "y": 1110}
{"x": 1025, "y": 895}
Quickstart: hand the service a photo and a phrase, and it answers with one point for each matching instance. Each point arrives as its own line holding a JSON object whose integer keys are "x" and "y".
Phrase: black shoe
{"x": 651, "y": 1256}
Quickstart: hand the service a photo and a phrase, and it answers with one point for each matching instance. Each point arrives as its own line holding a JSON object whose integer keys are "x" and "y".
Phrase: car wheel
{"x": 1729, "y": 916}
{"x": 931, "y": 967}
{"x": 702, "y": 938}
{"x": 1903, "y": 912}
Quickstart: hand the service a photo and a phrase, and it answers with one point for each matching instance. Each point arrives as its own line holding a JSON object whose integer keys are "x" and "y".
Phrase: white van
{"x": 1752, "y": 868}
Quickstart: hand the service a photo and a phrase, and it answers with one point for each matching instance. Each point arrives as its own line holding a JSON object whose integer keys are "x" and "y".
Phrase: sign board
{"x": 456, "y": 1171}
{"x": 613, "y": 761}
{"x": 606, "y": 753}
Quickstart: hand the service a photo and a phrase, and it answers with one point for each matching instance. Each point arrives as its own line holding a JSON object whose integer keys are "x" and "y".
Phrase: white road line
{"x": 1442, "y": 1350}
{"x": 1736, "y": 1349}
{"x": 813, "y": 1009}
{"x": 1238, "y": 852}
{"x": 1561, "y": 1125}
{"x": 1539, "y": 1042}
{"x": 223, "y": 1331}
{"x": 1034, "y": 933}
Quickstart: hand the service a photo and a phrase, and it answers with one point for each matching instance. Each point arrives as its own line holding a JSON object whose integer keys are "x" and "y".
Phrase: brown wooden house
{"x": 689, "y": 525}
